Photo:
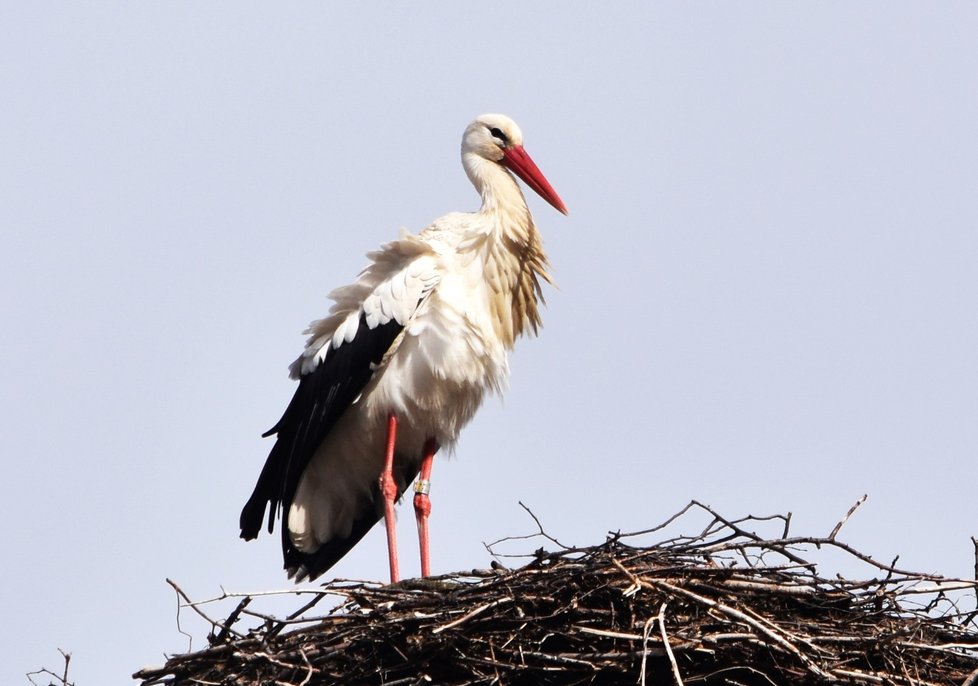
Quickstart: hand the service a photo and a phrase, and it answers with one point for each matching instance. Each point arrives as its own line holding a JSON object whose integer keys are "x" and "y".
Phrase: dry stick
{"x": 646, "y": 630}
{"x": 262, "y": 655}
{"x": 607, "y": 634}
{"x": 297, "y": 614}
{"x": 940, "y": 587}
{"x": 190, "y": 604}
{"x": 818, "y": 541}
{"x": 341, "y": 591}
{"x": 664, "y": 524}
{"x": 736, "y": 668}
{"x": 782, "y": 588}
{"x": 880, "y": 679}
{"x": 309, "y": 666}
{"x": 776, "y": 627}
{"x": 950, "y": 648}
{"x": 747, "y": 619}
{"x": 477, "y": 611}
{"x": 973, "y": 677}
{"x": 64, "y": 676}
{"x": 190, "y": 637}
{"x": 974, "y": 541}
{"x": 542, "y": 532}
{"x": 845, "y": 519}
{"x": 232, "y": 618}
{"x": 558, "y": 659}
{"x": 730, "y": 524}
{"x": 738, "y": 531}
{"x": 786, "y": 518}
{"x": 862, "y": 676}
{"x": 636, "y": 582}
{"x": 787, "y": 525}
{"x": 665, "y": 640}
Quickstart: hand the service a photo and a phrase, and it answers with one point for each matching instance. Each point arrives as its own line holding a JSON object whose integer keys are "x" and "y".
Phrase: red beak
{"x": 520, "y": 164}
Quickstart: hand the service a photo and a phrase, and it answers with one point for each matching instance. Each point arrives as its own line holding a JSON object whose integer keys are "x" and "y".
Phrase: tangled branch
{"x": 725, "y": 605}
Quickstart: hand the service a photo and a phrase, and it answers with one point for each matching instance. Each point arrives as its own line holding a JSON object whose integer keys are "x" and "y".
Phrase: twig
{"x": 232, "y": 618}
{"x": 665, "y": 641}
{"x": 189, "y": 603}
{"x": 646, "y": 632}
{"x": 838, "y": 527}
{"x": 974, "y": 542}
{"x": 609, "y": 634}
{"x": 636, "y": 584}
{"x": 312, "y": 670}
{"x": 665, "y": 524}
{"x": 63, "y": 677}
{"x": 477, "y": 611}
{"x": 540, "y": 528}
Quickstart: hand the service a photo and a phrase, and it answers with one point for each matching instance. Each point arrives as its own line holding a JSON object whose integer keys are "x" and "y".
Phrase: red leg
{"x": 388, "y": 489}
{"x": 422, "y": 504}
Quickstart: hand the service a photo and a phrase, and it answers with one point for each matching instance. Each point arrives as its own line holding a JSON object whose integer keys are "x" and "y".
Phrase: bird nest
{"x": 726, "y": 605}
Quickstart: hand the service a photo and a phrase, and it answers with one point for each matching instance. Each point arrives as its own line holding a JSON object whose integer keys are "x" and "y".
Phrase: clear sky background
{"x": 768, "y": 296}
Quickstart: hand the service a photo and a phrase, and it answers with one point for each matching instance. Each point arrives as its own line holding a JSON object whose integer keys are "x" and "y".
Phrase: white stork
{"x": 402, "y": 363}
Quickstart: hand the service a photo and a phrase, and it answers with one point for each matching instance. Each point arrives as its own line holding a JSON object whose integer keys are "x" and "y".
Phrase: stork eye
{"x": 499, "y": 135}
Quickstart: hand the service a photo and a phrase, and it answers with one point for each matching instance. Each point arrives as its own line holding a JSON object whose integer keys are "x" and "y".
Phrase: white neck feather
{"x": 514, "y": 258}
{"x": 501, "y": 195}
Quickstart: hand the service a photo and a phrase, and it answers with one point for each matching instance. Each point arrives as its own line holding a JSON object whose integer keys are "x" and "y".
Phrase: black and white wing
{"x": 343, "y": 353}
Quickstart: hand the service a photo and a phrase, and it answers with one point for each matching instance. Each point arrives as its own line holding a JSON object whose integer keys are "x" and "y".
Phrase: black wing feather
{"x": 319, "y": 401}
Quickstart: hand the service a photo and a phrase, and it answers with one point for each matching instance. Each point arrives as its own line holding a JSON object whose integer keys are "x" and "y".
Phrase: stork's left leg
{"x": 422, "y": 504}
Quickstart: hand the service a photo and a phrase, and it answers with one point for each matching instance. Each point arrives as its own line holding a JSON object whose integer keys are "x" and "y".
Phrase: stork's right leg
{"x": 422, "y": 504}
{"x": 388, "y": 489}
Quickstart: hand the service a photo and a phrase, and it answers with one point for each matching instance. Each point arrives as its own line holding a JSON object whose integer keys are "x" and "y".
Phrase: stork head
{"x": 496, "y": 138}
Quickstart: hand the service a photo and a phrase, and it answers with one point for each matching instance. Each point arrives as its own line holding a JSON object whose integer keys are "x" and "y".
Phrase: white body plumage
{"x": 434, "y": 379}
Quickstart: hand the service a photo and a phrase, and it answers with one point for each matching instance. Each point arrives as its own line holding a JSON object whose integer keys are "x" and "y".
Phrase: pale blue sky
{"x": 767, "y": 300}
